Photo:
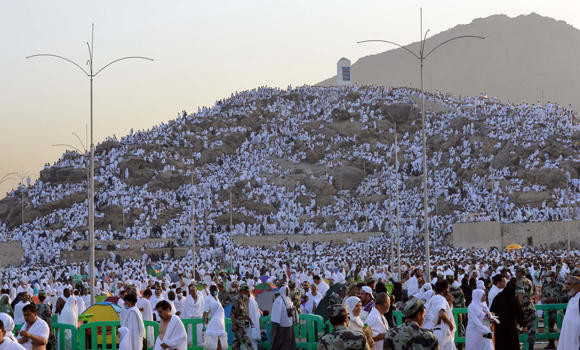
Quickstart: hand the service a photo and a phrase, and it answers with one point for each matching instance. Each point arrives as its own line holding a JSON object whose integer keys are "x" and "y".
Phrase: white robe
{"x": 38, "y": 328}
{"x": 570, "y": 333}
{"x": 440, "y": 330}
{"x": 133, "y": 321}
{"x": 144, "y": 306}
{"x": 9, "y": 344}
{"x": 477, "y": 325}
{"x": 175, "y": 336}
{"x": 194, "y": 309}
{"x": 68, "y": 315}
{"x": 378, "y": 324}
{"x": 216, "y": 328}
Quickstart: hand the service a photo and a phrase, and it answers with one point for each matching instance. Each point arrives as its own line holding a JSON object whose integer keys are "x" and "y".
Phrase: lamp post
{"x": 422, "y": 56}
{"x": 91, "y": 74}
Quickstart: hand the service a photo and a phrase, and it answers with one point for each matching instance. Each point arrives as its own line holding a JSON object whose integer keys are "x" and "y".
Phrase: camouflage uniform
{"x": 44, "y": 313}
{"x": 526, "y": 287}
{"x": 458, "y": 302}
{"x": 555, "y": 290}
{"x": 342, "y": 338}
{"x": 240, "y": 314}
{"x": 295, "y": 296}
{"x": 409, "y": 335}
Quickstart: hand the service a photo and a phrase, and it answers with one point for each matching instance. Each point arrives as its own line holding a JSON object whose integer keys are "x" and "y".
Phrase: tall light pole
{"x": 193, "y": 225}
{"x": 422, "y": 56}
{"x": 84, "y": 151}
{"x": 91, "y": 74}
{"x": 397, "y": 203}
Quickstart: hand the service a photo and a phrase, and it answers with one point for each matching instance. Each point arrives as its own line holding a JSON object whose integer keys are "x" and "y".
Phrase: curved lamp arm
{"x": 389, "y": 42}
{"x": 457, "y": 37}
{"x": 62, "y": 58}
{"x": 121, "y": 59}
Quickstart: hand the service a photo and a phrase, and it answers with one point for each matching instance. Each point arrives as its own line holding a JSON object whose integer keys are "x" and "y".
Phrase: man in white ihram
{"x": 171, "y": 330}
{"x": 570, "y": 333}
{"x": 193, "y": 307}
{"x": 439, "y": 317}
{"x": 132, "y": 319}
{"x": 34, "y": 333}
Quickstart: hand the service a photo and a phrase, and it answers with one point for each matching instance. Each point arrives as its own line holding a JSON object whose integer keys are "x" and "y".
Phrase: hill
{"x": 308, "y": 160}
{"x": 521, "y": 59}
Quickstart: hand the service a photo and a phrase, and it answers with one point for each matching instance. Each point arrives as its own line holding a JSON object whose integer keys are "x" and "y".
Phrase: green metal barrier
{"x": 546, "y": 334}
{"x": 99, "y": 335}
{"x": 313, "y": 327}
{"x": 456, "y": 312}
{"x": 17, "y": 328}
{"x": 266, "y": 325}
{"x": 398, "y": 315}
{"x": 191, "y": 325}
{"x": 148, "y": 325}
{"x": 60, "y": 331}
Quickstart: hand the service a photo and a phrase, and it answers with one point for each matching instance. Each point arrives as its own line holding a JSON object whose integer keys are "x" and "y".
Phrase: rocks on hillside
{"x": 531, "y": 198}
{"x": 63, "y": 175}
{"x": 346, "y": 177}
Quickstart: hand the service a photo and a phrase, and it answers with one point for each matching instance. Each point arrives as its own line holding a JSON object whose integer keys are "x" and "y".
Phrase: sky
{"x": 203, "y": 51}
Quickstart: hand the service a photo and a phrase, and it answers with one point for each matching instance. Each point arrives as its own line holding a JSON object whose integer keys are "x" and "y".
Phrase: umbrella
{"x": 513, "y": 246}
{"x": 264, "y": 278}
{"x": 113, "y": 300}
{"x": 266, "y": 299}
{"x": 264, "y": 287}
{"x": 335, "y": 295}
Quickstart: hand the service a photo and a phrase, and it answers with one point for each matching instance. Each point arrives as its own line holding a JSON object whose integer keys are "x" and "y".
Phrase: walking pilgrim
{"x": 172, "y": 333}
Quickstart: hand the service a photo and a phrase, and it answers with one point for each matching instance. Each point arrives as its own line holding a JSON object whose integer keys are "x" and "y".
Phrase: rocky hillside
{"x": 311, "y": 160}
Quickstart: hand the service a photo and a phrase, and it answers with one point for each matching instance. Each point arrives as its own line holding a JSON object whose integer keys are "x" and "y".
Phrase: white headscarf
{"x": 69, "y": 313}
{"x": 351, "y": 303}
{"x": 8, "y": 325}
{"x": 217, "y": 324}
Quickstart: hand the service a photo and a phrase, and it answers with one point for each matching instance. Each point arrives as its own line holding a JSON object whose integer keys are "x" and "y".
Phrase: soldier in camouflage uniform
{"x": 410, "y": 335}
{"x": 342, "y": 338}
{"x": 295, "y": 295}
{"x": 526, "y": 292}
{"x": 241, "y": 321}
{"x": 552, "y": 293}
{"x": 44, "y": 312}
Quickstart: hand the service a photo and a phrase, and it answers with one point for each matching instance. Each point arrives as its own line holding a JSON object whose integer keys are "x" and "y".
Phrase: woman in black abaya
{"x": 507, "y": 307}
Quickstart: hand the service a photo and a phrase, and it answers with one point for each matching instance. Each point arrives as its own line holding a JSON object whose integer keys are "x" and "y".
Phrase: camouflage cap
{"x": 370, "y": 280}
{"x": 575, "y": 272}
{"x": 412, "y": 306}
{"x": 337, "y": 310}
{"x": 550, "y": 273}
{"x": 244, "y": 288}
{"x": 521, "y": 269}
{"x": 292, "y": 284}
{"x": 42, "y": 293}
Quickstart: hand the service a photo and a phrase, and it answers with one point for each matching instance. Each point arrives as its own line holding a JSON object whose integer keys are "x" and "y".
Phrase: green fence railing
{"x": 104, "y": 335}
{"x": 99, "y": 335}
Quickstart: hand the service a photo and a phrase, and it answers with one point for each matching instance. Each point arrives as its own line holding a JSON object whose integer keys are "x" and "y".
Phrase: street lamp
{"x": 422, "y": 56}
{"x": 91, "y": 203}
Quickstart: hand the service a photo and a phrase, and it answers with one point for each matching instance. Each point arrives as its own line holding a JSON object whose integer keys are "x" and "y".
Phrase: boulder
{"x": 531, "y": 198}
{"x": 56, "y": 175}
{"x": 168, "y": 180}
{"x": 401, "y": 113}
{"x": 319, "y": 187}
{"x": 323, "y": 201}
{"x": 259, "y": 208}
{"x": 551, "y": 178}
{"x": 346, "y": 177}
{"x": 340, "y": 115}
{"x": 458, "y": 123}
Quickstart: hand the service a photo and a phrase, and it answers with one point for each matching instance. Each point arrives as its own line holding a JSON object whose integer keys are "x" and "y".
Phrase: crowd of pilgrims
{"x": 194, "y": 285}
{"x": 259, "y": 159}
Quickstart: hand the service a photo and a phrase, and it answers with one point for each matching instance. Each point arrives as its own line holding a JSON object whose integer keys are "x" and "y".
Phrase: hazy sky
{"x": 203, "y": 51}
